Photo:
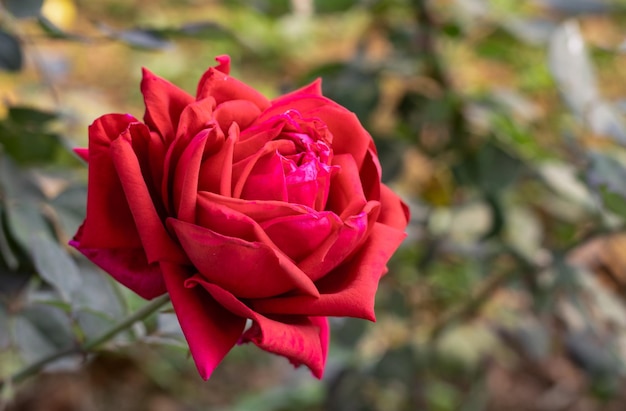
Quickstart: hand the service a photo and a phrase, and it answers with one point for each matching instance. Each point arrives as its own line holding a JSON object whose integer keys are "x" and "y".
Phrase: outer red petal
{"x": 82, "y": 153}
{"x": 128, "y": 266}
{"x": 210, "y": 330}
{"x": 164, "y": 104}
{"x": 224, "y": 88}
{"x": 109, "y": 222}
{"x": 247, "y": 269}
{"x": 302, "y": 339}
{"x": 314, "y": 88}
{"x": 223, "y": 63}
{"x": 157, "y": 243}
{"x": 394, "y": 212}
{"x": 349, "y": 290}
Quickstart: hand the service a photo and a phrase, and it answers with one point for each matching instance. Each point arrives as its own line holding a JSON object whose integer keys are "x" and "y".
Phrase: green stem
{"x": 90, "y": 345}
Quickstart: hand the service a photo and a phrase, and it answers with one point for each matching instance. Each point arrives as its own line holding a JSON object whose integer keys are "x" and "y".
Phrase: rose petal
{"x": 196, "y": 117}
{"x": 224, "y": 88}
{"x": 394, "y": 212}
{"x": 349, "y": 136}
{"x": 254, "y": 138}
{"x": 259, "y": 211}
{"x": 210, "y": 330}
{"x": 263, "y": 171}
{"x": 347, "y": 291}
{"x": 185, "y": 185}
{"x": 298, "y": 236}
{"x": 314, "y": 88}
{"x": 346, "y": 195}
{"x": 302, "y": 339}
{"x": 156, "y": 242}
{"x": 109, "y": 222}
{"x": 223, "y": 63}
{"x": 266, "y": 180}
{"x": 82, "y": 153}
{"x": 216, "y": 170}
{"x": 242, "y": 112}
{"x": 128, "y": 266}
{"x": 337, "y": 247}
{"x": 370, "y": 175}
{"x": 247, "y": 269}
{"x": 150, "y": 150}
{"x": 164, "y": 104}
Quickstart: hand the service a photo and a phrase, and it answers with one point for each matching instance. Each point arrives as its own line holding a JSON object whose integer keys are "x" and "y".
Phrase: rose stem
{"x": 138, "y": 315}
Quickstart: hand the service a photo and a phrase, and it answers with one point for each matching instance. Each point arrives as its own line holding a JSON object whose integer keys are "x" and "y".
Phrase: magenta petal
{"x": 223, "y": 65}
{"x": 247, "y": 269}
{"x": 302, "y": 339}
{"x": 349, "y": 290}
{"x": 82, "y": 153}
{"x": 210, "y": 330}
{"x": 128, "y": 266}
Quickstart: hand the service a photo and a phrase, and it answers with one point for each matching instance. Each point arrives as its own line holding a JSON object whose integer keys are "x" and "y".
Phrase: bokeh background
{"x": 501, "y": 123}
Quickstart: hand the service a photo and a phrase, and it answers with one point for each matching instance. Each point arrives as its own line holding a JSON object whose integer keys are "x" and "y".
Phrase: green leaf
{"x": 51, "y": 322}
{"x": 24, "y": 8}
{"x": 139, "y": 38}
{"x": 198, "y": 30}
{"x": 5, "y": 341}
{"x": 31, "y": 343}
{"x": 32, "y": 117}
{"x": 11, "y": 58}
{"x": 571, "y": 67}
{"x": 56, "y": 266}
{"x": 56, "y": 32}
{"x": 24, "y": 135}
{"x": 97, "y": 293}
{"x": 6, "y": 251}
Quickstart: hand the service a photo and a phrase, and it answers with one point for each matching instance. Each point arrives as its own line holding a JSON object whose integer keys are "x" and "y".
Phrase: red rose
{"x": 242, "y": 208}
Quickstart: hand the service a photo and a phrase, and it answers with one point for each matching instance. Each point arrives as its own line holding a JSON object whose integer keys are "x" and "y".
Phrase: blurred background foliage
{"x": 501, "y": 122}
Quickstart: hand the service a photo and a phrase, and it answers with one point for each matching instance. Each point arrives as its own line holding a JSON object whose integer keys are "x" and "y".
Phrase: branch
{"x": 91, "y": 345}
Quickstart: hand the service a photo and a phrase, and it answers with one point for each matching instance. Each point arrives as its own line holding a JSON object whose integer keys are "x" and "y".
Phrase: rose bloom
{"x": 241, "y": 208}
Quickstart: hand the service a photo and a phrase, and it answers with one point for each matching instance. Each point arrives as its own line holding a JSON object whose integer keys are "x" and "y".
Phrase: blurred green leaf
{"x": 572, "y": 69}
{"x": 24, "y": 8}
{"x": 24, "y": 135}
{"x": 137, "y": 37}
{"x": 29, "y": 117}
{"x": 577, "y": 6}
{"x": 11, "y": 58}
{"x": 56, "y": 266}
{"x": 32, "y": 344}
{"x": 206, "y": 30}
{"x": 5, "y": 341}
{"x": 608, "y": 177}
{"x": 334, "y": 6}
{"x": 97, "y": 293}
{"x": 52, "y": 323}
{"x": 54, "y": 31}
